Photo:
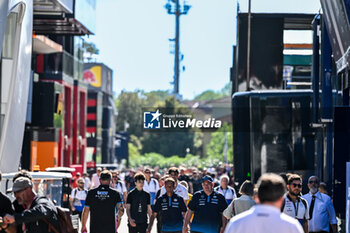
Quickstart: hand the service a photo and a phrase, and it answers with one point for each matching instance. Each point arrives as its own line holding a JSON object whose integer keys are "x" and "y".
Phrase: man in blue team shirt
{"x": 171, "y": 206}
{"x": 207, "y": 206}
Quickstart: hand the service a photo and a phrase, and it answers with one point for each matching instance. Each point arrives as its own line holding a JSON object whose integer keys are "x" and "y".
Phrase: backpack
{"x": 64, "y": 220}
{"x": 284, "y": 203}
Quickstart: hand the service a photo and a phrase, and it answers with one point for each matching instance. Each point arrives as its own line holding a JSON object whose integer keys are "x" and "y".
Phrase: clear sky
{"x": 133, "y": 38}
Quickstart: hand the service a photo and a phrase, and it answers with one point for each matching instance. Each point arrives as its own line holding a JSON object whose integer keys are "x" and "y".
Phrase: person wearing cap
{"x": 180, "y": 190}
{"x": 5, "y": 208}
{"x": 77, "y": 197}
{"x": 104, "y": 205}
{"x": 39, "y": 213}
{"x": 266, "y": 216}
{"x": 171, "y": 206}
{"x": 207, "y": 206}
{"x": 151, "y": 185}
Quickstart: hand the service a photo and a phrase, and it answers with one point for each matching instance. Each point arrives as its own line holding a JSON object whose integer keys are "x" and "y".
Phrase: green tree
{"x": 154, "y": 98}
{"x": 215, "y": 149}
{"x": 129, "y": 106}
{"x": 208, "y": 95}
{"x": 91, "y": 49}
{"x": 214, "y": 95}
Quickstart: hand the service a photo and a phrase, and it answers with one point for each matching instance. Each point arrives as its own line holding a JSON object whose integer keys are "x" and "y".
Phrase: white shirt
{"x": 180, "y": 190}
{"x": 263, "y": 219}
{"x": 323, "y": 212}
{"x": 78, "y": 194}
{"x": 95, "y": 179}
{"x": 87, "y": 183}
{"x": 120, "y": 187}
{"x": 296, "y": 210}
{"x": 152, "y": 186}
{"x": 228, "y": 193}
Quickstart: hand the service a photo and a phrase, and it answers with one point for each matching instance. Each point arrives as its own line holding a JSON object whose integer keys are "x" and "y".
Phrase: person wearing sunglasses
{"x": 321, "y": 212}
{"x": 77, "y": 198}
{"x": 294, "y": 205}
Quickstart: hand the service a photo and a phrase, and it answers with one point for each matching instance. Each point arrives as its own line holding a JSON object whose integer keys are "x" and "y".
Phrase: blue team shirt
{"x": 207, "y": 211}
{"x": 171, "y": 209}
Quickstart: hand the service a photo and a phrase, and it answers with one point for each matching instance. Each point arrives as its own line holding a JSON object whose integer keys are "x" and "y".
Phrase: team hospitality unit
{"x": 181, "y": 200}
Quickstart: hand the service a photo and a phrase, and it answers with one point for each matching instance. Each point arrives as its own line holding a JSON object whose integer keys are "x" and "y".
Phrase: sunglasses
{"x": 81, "y": 183}
{"x": 296, "y": 185}
{"x": 148, "y": 172}
{"x": 115, "y": 176}
{"x": 313, "y": 182}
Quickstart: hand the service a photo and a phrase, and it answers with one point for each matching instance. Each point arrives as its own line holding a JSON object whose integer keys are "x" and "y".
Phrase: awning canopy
{"x": 43, "y": 45}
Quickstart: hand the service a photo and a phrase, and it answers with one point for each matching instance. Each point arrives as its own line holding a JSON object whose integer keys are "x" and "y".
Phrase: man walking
{"x": 294, "y": 205}
{"x": 321, "y": 212}
{"x": 39, "y": 215}
{"x": 228, "y": 192}
{"x": 171, "y": 206}
{"x": 151, "y": 185}
{"x": 77, "y": 197}
{"x": 180, "y": 190}
{"x": 138, "y": 206}
{"x": 207, "y": 206}
{"x": 104, "y": 205}
{"x": 267, "y": 216}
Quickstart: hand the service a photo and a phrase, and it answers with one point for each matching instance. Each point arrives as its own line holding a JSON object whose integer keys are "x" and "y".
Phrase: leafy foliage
{"x": 215, "y": 149}
{"x": 214, "y": 95}
{"x": 155, "y": 159}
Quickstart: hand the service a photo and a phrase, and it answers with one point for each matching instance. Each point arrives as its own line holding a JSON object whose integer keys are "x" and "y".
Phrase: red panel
{"x": 75, "y": 124}
{"x": 68, "y": 93}
{"x": 60, "y": 148}
{"x": 91, "y": 129}
{"x": 91, "y": 116}
{"x": 83, "y": 121}
{"x": 40, "y": 63}
{"x": 92, "y": 102}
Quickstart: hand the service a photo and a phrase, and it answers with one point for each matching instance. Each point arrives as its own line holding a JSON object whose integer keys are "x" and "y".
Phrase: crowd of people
{"x": 181, "y": 200}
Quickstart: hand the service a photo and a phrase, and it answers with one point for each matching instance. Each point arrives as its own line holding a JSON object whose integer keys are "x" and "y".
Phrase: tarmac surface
{"x": 123, "y": 228}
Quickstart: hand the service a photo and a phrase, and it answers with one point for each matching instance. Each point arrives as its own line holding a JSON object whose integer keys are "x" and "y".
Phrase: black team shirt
{"x": 207, "y": 211}
{"x": 171, "y": 209}
{"x": 138, "y": 200}
{"x": 5, "y": 206}
{"x": 103, "y": 208}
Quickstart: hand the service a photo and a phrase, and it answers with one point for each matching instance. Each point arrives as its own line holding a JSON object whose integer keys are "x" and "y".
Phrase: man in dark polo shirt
{"x": 207, "y": 206}
{"x": 105, "y": 207}
{"x": 5, "y": 208}
{"x": 171, "y": 206}
{"x": 138, "y": 206}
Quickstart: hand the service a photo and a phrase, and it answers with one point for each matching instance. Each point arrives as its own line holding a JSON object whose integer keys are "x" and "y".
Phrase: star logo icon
{"x": 156, "y": 115}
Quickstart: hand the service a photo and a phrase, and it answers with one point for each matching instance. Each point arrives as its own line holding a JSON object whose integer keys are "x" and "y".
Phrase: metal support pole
{"x": 177, "y": 49}
{"x": 248, "y": 44}
{"x": 327, "y": 104}
{"x": 316, "y": 69}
